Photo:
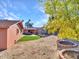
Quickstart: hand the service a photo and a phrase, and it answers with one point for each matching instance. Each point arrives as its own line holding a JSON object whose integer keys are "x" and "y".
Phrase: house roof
{"x": 7, "y": 23}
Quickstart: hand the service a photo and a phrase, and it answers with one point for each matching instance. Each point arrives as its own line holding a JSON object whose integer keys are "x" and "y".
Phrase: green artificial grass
{"x": 29, "y": 37}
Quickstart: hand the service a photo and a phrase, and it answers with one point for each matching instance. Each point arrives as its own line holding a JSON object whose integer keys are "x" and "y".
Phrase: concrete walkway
{"x": 44, "y": 48}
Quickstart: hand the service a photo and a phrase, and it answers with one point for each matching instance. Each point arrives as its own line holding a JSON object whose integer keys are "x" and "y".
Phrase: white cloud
{"x": 44, "y": 18}
{"x": 18, "y": 5}
{"x": 11, "y": 16}
{"x": 1, "y": 15}
{"x": 40, "y": 8}
{"x": 7, "y": 15}
{"x": 10, "y": 4}
{"x": 1, "y": 6}
{"x": 42, "y": 22}
{"x": 4, "y": 4}
{"x": 4, "y": 13}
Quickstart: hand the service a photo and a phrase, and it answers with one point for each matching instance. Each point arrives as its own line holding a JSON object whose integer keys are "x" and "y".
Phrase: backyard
{"x": 54, "y": 38}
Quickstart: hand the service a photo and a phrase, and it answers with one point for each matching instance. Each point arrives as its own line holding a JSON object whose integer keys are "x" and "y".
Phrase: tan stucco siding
{"x": 3, "y": 38}
{"x": 13, "y": 34}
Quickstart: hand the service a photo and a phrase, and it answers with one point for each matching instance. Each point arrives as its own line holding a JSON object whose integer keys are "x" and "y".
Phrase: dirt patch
{"x": 44, "y": 48}
{"x": 71, "y": 55}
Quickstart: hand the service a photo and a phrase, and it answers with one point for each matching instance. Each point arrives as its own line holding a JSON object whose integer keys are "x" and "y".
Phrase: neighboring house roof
{"x": 7, "y": 23}
{"x": 31, "y": 28}
{"x": 34, "y": 28}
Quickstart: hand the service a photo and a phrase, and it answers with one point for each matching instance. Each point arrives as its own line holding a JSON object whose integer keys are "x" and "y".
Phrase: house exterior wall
{"x": 3, "y": 38}
{"x": 32, "y": 31}
{"x": 13, "y": 34}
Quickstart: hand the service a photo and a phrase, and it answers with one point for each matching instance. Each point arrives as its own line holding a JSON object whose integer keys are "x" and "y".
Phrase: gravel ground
{"x": 44, "y": 48}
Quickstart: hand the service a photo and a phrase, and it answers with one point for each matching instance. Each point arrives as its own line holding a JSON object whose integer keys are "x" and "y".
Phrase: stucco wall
{"x": 3, "y": 38}
{"x": 13, "y": 34}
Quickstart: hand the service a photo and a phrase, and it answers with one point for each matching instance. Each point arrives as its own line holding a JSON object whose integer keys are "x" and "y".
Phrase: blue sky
{"x": 24, "y": 10}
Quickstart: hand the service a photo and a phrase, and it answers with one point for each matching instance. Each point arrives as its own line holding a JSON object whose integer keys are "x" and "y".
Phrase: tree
{"x": 66, "y": 18}
{"x": 28, "y": 24}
